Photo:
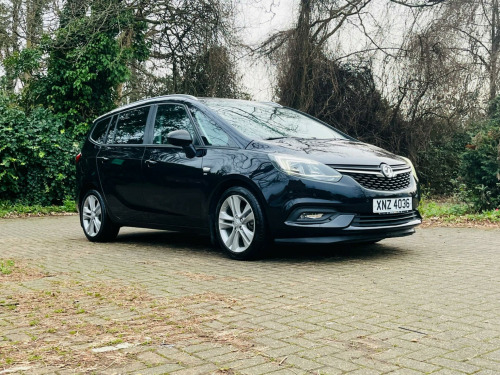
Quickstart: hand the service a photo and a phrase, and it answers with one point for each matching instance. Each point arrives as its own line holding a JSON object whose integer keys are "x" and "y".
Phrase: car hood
{"x": 340, "y": 152}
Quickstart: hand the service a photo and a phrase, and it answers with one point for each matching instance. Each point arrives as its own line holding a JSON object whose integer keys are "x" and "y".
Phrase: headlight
{"x": 305, "y": 168}
{"x": 413, "y": 171}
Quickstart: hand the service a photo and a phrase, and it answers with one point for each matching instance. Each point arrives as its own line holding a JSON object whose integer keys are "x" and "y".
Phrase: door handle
{"x": 103, "y": 158}
{"x": 150, "y": 162}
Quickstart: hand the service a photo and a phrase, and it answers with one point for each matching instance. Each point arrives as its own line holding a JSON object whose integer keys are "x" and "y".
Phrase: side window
{"x": 170, "y": 117}
{"x": 100, "y": 130}
{"x": 212, "y": 134}
{"x": 130, "y": 126}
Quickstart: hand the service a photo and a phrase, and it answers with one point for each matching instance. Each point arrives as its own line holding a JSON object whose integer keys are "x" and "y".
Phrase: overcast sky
{"x": 260, "y": 19}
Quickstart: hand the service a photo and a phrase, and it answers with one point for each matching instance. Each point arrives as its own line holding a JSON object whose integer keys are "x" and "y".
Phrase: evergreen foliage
{"x": 54, "y": 85}
{"x": 36, "y": 156}
{"x": 85, "y": 68}
{"x": 480, "y": 165}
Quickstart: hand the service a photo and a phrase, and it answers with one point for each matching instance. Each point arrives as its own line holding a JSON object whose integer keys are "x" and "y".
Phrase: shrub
{"x": 36, "y": 156}
{"x": 437, "y": 164}
{"x": 480, "y": 168}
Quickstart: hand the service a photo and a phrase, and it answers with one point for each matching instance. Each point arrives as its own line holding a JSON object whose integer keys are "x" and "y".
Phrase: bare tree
{"x": 474, "y": 28}
{"x": 400, "y": 83}
{"x": 178, "y": 33}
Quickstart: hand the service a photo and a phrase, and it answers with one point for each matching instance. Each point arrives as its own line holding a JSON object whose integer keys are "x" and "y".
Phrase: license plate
{"x": 391, "y": 205}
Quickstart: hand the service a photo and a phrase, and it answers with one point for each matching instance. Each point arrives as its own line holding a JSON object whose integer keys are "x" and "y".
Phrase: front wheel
{"x": 95, "y": 220}
{"x": 239, "y": 224}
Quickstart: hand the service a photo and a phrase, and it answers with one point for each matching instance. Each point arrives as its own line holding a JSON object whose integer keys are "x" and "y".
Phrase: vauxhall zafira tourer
{"x": 246, "y": 173}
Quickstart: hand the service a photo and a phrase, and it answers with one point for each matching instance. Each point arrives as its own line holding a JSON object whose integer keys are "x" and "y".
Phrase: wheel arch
{"x": 84, "y": 189}
{"x": 229, "y": 182}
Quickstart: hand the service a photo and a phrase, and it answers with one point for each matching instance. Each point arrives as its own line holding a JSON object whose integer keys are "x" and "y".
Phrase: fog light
{"x": 311, "y": 215}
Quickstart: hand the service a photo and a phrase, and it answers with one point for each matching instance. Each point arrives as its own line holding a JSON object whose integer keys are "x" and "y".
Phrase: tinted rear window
{"x": 100, "y": 130}
{"x": 130, "y": 126}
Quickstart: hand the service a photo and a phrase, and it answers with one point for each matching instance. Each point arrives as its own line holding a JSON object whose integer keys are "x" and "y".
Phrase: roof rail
{"x": 154, "y": 98}
{"x": 184, "y": 96}
{"x": 169, "y": 96}
{"x": 164, "y": 96}
{"x": 272, "y": 104}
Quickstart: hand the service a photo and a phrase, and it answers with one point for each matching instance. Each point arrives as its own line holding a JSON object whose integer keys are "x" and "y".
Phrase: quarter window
{"x": 130, "y": 126}
{"x": 100, "y": 131}
{"x": 170, "y": 117}
{"x": 212, "y": 134}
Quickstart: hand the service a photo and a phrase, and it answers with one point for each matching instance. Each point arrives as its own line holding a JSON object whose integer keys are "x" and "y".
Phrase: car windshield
{"x": 265, "y": 121}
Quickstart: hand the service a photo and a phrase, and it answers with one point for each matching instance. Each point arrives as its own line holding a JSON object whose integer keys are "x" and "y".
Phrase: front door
{"x": 172, "y": 186}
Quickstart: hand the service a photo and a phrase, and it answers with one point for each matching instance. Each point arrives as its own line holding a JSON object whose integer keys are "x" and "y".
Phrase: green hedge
{"x": 480, "y": 168}
{"x": 36, "y": 156}
{"x": 438, "y": 165}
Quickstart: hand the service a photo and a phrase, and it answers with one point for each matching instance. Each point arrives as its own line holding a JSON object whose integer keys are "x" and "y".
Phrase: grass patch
{"x": 113, "y": 342}
{"x": 8, "y": 209}
{"x": 14, "y": 270}
{"x": 6, "y": 266}
{"x": 448, "y": 212}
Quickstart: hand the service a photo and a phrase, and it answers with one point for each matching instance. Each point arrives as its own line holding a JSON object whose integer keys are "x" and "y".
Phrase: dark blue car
{"x": 246, "y": 173}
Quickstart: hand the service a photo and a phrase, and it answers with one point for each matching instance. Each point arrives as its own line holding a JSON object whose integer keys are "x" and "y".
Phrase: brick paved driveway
{"x": 429, "y": 303}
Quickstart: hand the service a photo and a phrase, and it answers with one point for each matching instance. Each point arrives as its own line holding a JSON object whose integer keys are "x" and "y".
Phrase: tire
{"x": 94, "y": 218}
{"x": 239, "y": 222}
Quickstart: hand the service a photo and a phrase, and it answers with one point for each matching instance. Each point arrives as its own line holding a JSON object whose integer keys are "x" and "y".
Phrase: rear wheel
{"x": 94, "y": 218}
{"x": 239, "y": 224}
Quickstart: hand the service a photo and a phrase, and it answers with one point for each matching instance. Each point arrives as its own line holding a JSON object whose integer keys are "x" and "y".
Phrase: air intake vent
{"x": 383, "y": 220}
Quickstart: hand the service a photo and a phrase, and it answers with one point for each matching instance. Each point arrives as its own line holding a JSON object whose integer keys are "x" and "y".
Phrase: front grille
{"x": 374, "y": 182}
{"x": 383, "y": 220}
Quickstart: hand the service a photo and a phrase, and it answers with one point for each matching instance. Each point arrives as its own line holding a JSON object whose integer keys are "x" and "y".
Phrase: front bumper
{"x": 354, "y": 228}
{"x": 348, "y": 209}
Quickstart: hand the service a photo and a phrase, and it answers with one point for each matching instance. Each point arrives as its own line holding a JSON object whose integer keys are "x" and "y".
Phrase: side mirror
{"x": 179, "y": 138}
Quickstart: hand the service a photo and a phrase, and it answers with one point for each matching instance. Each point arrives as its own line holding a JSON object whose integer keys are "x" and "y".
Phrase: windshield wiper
{"x": 287, "y": 136}
{"x": 274, "y": 138}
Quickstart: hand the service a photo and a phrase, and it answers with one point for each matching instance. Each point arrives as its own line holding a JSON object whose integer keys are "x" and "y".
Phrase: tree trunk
{"x": 303, "y": 47}
{"x": 16, "y": 12}
{"x": 495, "y": 49}
{"x": 13, "y": 44}
{"x": 126, "y": 42}
{"x": 34, "y": 22}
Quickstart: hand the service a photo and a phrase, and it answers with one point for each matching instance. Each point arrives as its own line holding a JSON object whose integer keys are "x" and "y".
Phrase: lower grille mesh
{"x": 382, "y": 220}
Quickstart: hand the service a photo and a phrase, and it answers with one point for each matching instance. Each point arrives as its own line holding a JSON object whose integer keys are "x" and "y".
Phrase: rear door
{"x": 172, "y": 186}
{"x": 119, "y": 164}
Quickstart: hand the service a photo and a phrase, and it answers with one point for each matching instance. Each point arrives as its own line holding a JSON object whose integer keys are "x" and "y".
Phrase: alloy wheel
{"x": 236, "y": 223}
{"x": 92, "y": 215}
